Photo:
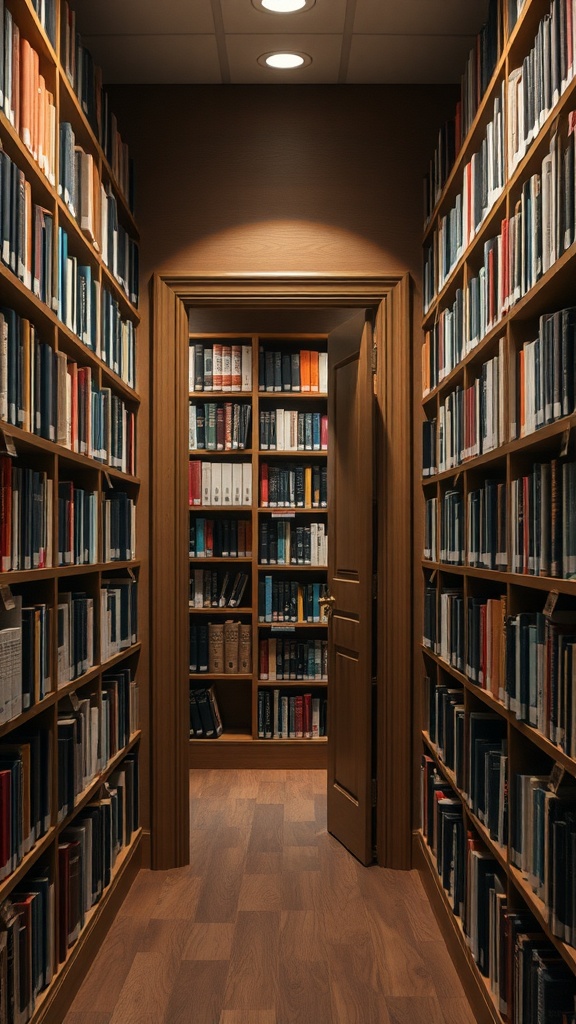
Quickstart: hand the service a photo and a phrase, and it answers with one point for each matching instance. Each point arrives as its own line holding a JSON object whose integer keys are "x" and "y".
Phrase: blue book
{"x": 268, "y": 599}
{"x": 62, "y": 261}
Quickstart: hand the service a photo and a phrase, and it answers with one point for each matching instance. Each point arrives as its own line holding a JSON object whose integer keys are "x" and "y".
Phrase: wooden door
{"x": 350, "y": 585}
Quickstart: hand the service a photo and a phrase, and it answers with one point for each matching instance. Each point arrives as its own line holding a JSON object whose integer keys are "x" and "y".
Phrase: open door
{"x": 350, "y": 585}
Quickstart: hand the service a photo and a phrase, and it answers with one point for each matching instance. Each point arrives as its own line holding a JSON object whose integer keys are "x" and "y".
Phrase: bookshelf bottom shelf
{"x": 53, "y": 1004}
{"x": 474, "y": 983}
{"x": 240, "y": 750}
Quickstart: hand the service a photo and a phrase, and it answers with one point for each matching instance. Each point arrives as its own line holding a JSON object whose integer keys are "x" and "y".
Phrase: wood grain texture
{"x": 312, "y": 936}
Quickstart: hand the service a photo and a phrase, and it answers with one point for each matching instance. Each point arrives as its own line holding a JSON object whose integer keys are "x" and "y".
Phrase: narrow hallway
{"x": 273, "y": 922}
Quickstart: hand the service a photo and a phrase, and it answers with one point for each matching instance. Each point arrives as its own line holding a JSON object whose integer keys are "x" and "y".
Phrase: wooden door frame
{"x": 393, "y": 391}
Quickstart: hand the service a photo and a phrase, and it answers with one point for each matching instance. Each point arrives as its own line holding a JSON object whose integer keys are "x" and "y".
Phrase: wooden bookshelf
{"x": 475, "y": 455}
{"x": 237, "y": 694}
{"x": 80, "y": 435}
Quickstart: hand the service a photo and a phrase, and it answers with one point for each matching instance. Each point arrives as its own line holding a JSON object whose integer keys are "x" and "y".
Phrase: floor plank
{"x": 273, "y": 922}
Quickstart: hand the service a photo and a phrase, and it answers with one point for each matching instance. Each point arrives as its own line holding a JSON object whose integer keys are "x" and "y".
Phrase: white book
{"x": 247, "y": 483}
{"x": 191, "y": 366}
{"x": 192, "y": 435}
{"x": 215, "y": 494}
{"x": 237, "y": 483}
{"x": 207, "y": 484}
{"x": 246, "y": 368}
{"x": 236, "y": 368}
{"x": 226, "y": 483}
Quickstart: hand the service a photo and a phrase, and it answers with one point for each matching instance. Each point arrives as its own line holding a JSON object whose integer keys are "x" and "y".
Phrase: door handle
{"x": 328, "y": 603}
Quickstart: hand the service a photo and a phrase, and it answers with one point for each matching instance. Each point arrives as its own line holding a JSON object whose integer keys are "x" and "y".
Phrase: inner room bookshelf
{"x": 258, "y": 507}
{"x": 70, "y": 562}
{"x": 497, "y": 837}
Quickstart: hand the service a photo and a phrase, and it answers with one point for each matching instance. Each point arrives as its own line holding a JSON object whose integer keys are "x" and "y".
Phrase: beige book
{"x": 245, "y": 659}
{"x": 231, "y": 644}
{"x": 216, "y": 647}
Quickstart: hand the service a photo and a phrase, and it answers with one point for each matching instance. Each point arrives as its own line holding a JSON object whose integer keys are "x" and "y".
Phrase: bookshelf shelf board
{"x": 540, "y": 911}
{"x": 294, "y": 456}
{"x": 93, "y": 786}
{"x": 14, "y": 147}
{"x": 31, "y": 26}
{"x": 37, "y": 709}
{"x": 452, "y": 922}
{"x": 124, "y": 862}
{"x": 220, "y": 508}
{"x": 287, "y": 513}
{"x": 26, "y": 863}
{"x": 292, "y": 396}
{"x": 204, "y": 561}
{"x": 300, "y": 742}
{"x": 222, "y": 677}
{"x": 219, "y": 396}
{"x": 514, "y": 579}
{"x": 289, "y": 567}
{"x": 283, "y": 684}
{"x": 224, "y": 738}
{"x": 228, "y": 610}
{"x": 221, "y": 453}
{"x": 30, "y": 442}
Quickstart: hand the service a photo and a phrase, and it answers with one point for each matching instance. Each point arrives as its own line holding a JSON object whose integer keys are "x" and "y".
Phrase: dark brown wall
{"x": 307, "y": 178}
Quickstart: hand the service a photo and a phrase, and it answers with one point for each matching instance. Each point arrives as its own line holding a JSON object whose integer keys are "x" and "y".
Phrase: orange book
{"x": 314, "y": 372}
{"x": 41, "y": 125}
{"x": 26, "y": 103}
{"x": 36, "y": 100}
{"x": 305, "y": 370}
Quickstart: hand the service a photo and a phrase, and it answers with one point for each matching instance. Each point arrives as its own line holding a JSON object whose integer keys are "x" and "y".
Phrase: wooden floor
{"x": 272, "y": 923}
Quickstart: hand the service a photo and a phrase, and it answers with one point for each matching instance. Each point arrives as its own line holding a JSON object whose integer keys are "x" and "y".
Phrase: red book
{"x": 264, "y": 485}
{"x": 299, "y": 716}
{"x": 307, "y": 716}
{"x": 194, "y": 482}
{"x": 263, "y": 659}
{"x": 324, "y": 433}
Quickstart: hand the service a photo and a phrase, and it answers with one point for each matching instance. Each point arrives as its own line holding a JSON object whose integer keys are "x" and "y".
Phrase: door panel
{"x": 350, "y": 560}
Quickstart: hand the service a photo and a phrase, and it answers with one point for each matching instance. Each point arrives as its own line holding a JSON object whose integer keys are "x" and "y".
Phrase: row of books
{"x": 482, "y": 184}
{"x": 219, "y": 426}
{"x": 286, "y": 659}
{"x": 92, "y": 731}
{"x": 25, "y": 794}
{"x": 286, "y": 430}
{"x": 219, "y": 483}
{"x": 528, "y": 978}
{"x": 290, "y": 601}
{"x": 77, "y": 525}
{"x": 86, "y": 81}
{"x": 46, "y": 393}
{"x": 220, "y": 538}
{"x": 27, "y": 943}
{"x": 540, "y": 229}
{"x": 534, "y": 88}
{"x": 25, "y": 517}
{"x": 479, "y": 68}
{"x": 293, "y": 485}
{"x": 478, "y": 539}
{"x": 221, "y": 647}
{"x": 285, "y": 715}
{"x": 26, "y": 233}
{"x": 219, "y": 366}
{"x": 119, "y": 251}
{"x": 473, "y": 420}
{"x": 205, "y": 719}
{"x": 300, "y": 371}
{"x": 118, "y": 616}
{"x": 76, "y": 636}
{"x": 77, "y": 290}
{"x": 546, "y": 374}
{"x": 118, "y": 527}
{"x": 283, "y": 543}
{"x": 25, "y": 97}
{"x": 217, "y": 588}
{"x": 25, "y": 655}
{"x": 88, "y": 849}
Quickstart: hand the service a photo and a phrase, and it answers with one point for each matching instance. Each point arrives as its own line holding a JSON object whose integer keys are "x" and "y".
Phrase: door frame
{"x": 393, "y": 442}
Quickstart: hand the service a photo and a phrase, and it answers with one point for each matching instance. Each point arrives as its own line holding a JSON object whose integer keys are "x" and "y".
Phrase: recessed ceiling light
{"x": 283, "y": 6}
{"x": 285, "y": 61}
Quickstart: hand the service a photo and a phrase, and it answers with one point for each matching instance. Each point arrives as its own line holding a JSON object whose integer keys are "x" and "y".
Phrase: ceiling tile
{"x": 244, "y": 50}
{"x": 325, "y": 16}
{"x": 131, "y": 16}
{"x": 167, "y": 59}
{"x": 450, "y": 17}
{"x": 403, "y": 59}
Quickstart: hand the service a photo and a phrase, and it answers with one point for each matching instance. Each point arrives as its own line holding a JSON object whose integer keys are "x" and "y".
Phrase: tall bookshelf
{"x": 496, "y": 735}
{"x": 69, "y": 412}
{"x": 250, "y": 734}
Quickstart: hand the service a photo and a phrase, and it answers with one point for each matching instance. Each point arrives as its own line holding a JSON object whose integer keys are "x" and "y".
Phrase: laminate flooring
{"x": 273, "y": 922}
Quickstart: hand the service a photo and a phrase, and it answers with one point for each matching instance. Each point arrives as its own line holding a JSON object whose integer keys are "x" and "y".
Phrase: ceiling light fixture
{"x": 283, "y": 6}
{"x": 284, "y": 61}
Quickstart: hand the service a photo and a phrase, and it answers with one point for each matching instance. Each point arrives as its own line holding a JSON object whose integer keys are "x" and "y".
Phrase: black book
{"x": 286, "y": 371}
{"x": 205, "y": 713}
{"x": 295, "y": 371}
{"x": 277, "y": 371}
{"x": 264, "y": 542}
{"x": 198, "y": 367}
{"x": 195, "y": 720}
{"x": 269, "y": 370}
{"x": 202, "y": 648}
{"x": 261, "y": 370}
